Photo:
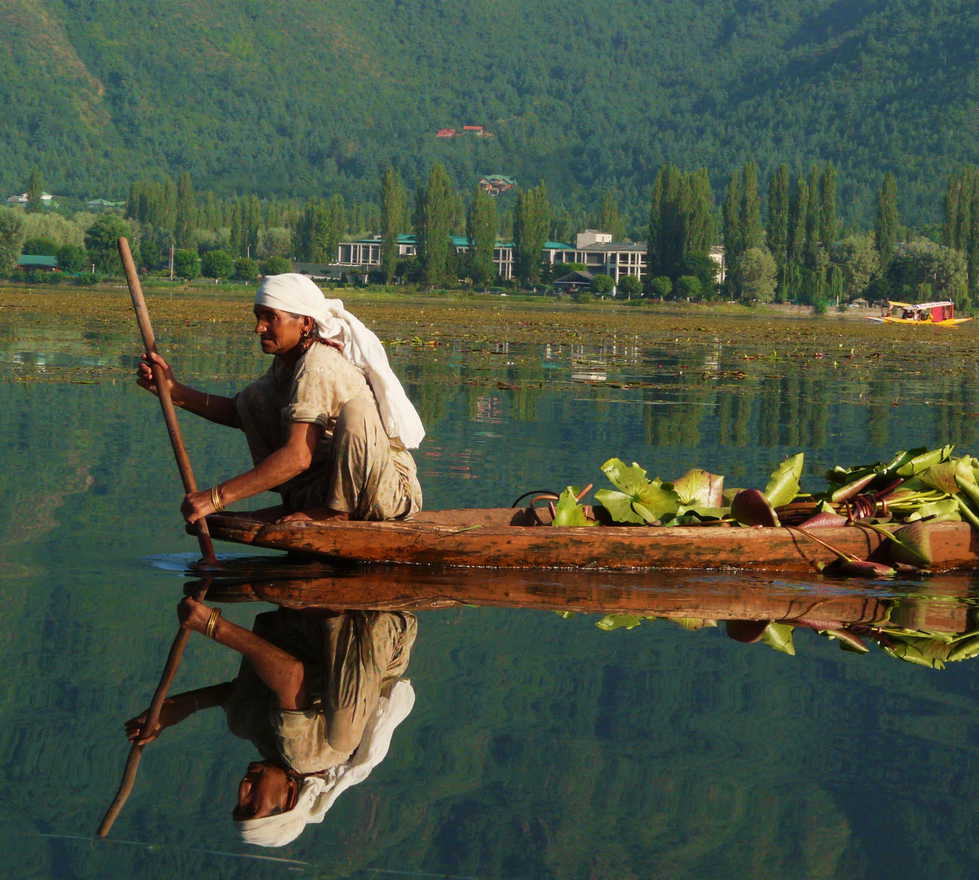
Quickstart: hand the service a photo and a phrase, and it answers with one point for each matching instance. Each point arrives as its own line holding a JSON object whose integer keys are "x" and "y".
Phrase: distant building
{"x": 37, "y": 262}
{"x": 23, "y": 198}
{"x": 446, "y": 133}
{"x": 495, "y": 184}
{"x": 573, "y": 281}
{"x": 592, "y": 248}
{"x": 104, "y": 205}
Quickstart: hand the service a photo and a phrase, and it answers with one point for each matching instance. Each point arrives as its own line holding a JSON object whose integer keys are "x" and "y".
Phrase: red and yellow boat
{"x": 937, "y": 314}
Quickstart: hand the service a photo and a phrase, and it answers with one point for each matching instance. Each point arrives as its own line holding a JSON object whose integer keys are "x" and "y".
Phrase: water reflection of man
{"x": 318, "y": 693}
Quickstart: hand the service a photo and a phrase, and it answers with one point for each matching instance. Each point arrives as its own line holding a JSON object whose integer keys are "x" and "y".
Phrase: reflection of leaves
{"x": 783, "y": 483}
{"x": 779, "y": 637}
{"x": 619, "y": 621}
{"x": 965, "y": 647}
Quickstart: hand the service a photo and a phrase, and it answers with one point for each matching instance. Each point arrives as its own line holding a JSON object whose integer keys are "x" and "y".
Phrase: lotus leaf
{"x": 942, "y": 477}
{"x": 698, "y": 488}
{"x": 965, "y": 480}
{"x": 639, "y": 499}
{"x": 922, "y": 460}
{"x": 946, "y": 509}
{"x": 568, "y": 512}
{"x": 783, "y": 483}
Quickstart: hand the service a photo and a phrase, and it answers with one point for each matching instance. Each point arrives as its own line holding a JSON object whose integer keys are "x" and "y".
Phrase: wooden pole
{"x": 203, "y": 537}
{"x": 166, "y": 404}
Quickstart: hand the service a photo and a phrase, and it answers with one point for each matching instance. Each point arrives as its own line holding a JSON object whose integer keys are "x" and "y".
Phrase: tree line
{"x": 783, "y": 241}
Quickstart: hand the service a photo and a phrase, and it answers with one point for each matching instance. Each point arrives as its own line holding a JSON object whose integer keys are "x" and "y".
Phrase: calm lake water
{"x": 538, "y": 746}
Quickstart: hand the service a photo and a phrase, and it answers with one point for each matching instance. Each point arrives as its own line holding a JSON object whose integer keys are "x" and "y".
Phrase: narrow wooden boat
{"x": 935, "y": 314}
{"x": 511, "y": 538}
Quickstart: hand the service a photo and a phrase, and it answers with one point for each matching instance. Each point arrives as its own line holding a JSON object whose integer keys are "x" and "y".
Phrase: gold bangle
{"x": 216, "y": 501}
{"x": 212, "y": 623}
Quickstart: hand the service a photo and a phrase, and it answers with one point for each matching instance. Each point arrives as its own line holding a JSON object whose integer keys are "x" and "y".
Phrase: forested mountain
{"x": 308, "y": 97}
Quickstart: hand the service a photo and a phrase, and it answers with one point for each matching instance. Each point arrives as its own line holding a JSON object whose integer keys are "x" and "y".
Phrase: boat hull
{"x": 500, "y": 538}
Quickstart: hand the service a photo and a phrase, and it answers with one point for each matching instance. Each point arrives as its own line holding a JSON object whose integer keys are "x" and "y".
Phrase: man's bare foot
{"x": 313, "y": 514}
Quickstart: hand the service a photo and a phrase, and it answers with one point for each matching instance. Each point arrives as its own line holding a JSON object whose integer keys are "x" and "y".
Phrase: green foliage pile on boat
{"x": 914, "y": 485}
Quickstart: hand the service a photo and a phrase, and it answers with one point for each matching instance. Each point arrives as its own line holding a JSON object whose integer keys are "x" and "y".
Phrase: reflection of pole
{"x": 152, "y": 719}
{"x": 171, "y": 261}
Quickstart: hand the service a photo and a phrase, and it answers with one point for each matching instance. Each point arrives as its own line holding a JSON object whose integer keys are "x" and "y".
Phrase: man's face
{"x": 265, "y": 790}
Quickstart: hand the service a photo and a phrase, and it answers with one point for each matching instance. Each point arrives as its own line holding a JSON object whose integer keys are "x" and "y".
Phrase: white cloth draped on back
{"x": 318, "y": 793}
{"x": 297, "y": 294}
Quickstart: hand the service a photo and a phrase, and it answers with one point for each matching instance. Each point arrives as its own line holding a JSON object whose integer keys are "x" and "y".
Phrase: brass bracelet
{"x": 216, "y": 501}
{"x": 212, "y": 623}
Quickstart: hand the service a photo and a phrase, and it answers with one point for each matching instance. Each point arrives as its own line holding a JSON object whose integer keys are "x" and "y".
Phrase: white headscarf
{"x": 296, "y": 293}
{"x": 318, "y": 793}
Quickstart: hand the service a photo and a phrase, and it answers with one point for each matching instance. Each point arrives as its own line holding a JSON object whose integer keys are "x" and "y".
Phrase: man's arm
{"x": 176, "y": 709}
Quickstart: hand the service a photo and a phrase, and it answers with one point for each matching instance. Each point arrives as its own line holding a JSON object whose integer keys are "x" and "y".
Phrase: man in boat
{"x": 328, "y": 425}
{"x": 318, "y": 693}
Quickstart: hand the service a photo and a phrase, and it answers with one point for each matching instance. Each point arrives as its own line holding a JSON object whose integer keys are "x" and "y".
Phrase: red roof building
{"x": 445, "y": 133}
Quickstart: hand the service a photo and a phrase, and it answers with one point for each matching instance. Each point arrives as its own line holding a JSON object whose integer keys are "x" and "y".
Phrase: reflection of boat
{"x": 935, "y": 624}
{"x": 712, "y": 595}
{"x": 509, "y": 538}
{"x": 939, "y": 314}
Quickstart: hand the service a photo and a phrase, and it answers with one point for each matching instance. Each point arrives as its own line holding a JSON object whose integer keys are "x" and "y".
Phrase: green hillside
{"x": 307, "y": 97}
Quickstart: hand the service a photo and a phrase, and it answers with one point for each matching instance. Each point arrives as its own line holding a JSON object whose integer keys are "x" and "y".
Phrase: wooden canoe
{"x": 503, "y": 538}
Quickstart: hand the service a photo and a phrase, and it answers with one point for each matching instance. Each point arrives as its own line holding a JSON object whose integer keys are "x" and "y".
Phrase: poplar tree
{"x": 654, "y": 267}
{"x": 186, "y": 213}
{"x": 731, "y": 215}
{"x": 35, "y": 189}
{"x": 798, "y": 223}
{"x": 336, "y": 226}
{"x": 166, "y": 214}
{"x": 886, "y": 221}
{"x": 961, "y": 227}
{"x": 814, "y": 222}
{"x": 312, "y": 233}
{"x": 435, "y": 210}
{"x": 828, "y": 221}
{"x": 393, "y": 203}
{"x": 610, "y": 217}
{"x": 699, "y": 216}
{"x": 742, "y": 222}
{"x": 531, "y": 222}
{"x": 752, "y": 235}
{"x": 481, "y": 231}
{"x": 972, "y": 243}
{"x": 777, "y": 231}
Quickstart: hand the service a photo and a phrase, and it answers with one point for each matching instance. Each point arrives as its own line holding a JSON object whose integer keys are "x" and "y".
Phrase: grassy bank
{"x": 405, "y": 317}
